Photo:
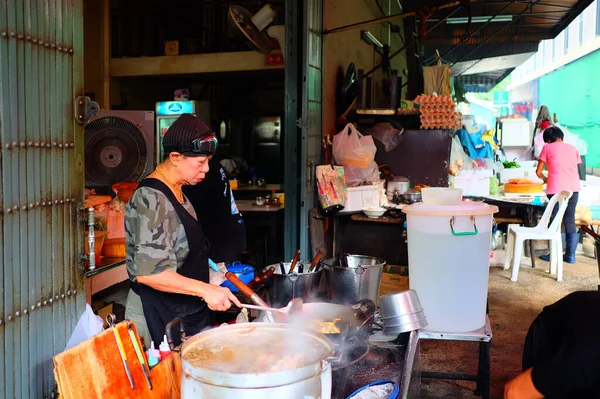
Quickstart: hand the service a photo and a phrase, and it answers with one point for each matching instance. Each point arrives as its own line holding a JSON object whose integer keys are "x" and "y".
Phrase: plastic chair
{"x": 517, "y": 235}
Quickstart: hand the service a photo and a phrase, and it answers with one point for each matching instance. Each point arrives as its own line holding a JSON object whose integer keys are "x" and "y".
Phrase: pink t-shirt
{"x": 561, "y": 161}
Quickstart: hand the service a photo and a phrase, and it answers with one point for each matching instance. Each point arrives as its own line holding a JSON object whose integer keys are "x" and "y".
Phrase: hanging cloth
{"x": 436, "y": 79}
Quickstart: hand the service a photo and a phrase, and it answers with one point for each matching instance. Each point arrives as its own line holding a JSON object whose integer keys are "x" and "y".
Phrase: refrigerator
{"x": 168, "y": 111}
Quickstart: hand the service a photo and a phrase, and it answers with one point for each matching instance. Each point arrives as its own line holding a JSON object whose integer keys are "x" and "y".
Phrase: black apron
{"x": 162, "y": 307}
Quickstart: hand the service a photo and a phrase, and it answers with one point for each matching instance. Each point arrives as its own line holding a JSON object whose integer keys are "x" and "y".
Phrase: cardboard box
{"x": 473, "y": 186}
{"x": 394, "y": 279}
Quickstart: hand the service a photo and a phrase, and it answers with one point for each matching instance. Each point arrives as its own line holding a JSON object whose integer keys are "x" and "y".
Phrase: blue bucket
{"x": 394, "y": 395}
{"x": 242, "y": 271}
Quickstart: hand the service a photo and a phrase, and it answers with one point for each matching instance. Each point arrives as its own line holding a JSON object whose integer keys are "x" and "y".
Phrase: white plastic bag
{"x": 88, "y": 326}
{"x": 353, "y": 149}
{"x": 357, "y": 153}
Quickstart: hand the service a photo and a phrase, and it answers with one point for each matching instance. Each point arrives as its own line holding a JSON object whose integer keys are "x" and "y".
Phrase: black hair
{"x": 552, "y": 134}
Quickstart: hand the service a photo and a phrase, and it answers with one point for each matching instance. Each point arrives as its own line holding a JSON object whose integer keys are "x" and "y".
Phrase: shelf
{"x": 189, "y": 64}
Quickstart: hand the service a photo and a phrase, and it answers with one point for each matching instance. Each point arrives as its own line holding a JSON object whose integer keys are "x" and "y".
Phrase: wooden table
{"x": 525, "y": 204}
{"x": 108, "y": 272}
{"x": 250, "y": 206}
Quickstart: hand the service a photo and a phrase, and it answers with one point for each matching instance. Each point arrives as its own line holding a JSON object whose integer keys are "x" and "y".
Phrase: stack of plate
{"x": 401, "y": 312}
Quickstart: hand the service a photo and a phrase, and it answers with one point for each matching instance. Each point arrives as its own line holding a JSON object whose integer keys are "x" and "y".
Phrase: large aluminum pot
{"x": 357, "y": 280}
{"x": 282, "y": 288}
{"x": 256, "y": 361}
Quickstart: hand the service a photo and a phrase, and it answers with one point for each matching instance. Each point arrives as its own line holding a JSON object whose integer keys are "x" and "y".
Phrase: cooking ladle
{"x": 253, "y": 296}
{"x": 293, "y": 307}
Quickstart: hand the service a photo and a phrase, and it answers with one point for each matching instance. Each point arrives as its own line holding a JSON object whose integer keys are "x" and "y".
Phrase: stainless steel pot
{"x": 282, "y": 288}
{"x": 358, "y": 280}
{"x": 230, "y": 362}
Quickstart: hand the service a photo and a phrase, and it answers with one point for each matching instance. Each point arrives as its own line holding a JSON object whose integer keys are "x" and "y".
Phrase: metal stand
{"x": 484, "y": 337}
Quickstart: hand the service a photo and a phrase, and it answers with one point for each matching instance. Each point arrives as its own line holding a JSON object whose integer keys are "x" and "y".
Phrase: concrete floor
{"x": 512, "y": 308}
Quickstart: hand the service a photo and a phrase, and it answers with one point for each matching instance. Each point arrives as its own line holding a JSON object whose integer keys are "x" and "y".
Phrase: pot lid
{"x": 464, "y": 209}
{"x": 251, "y": 348}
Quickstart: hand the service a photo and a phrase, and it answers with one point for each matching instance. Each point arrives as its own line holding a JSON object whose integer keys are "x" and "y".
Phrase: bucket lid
{"x": 464, "y": 209}
{"x": 237, "y": 267}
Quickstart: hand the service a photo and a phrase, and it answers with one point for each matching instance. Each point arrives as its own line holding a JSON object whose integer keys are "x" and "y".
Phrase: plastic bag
{"x": 387, "y": 134}
{"x": 357, "y": 153}
{"x": 351, "y": 148}
{"x": 459, "y": 160}
{"x": 87, "y": 327}
{"x": 331, "y": 185}
{"x": 358, "y": 176}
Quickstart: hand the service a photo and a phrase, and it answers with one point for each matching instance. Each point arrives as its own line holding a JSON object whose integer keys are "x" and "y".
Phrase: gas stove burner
{"x": 352, "y": 351}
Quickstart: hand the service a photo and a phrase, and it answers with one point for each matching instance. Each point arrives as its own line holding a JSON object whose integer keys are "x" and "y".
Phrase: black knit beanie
{"x": 183, "y": 131}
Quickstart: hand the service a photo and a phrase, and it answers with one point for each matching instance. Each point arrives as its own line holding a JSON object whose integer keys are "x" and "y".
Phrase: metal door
{"x": 41, "y": 72}
{"x": 310, "y": 121}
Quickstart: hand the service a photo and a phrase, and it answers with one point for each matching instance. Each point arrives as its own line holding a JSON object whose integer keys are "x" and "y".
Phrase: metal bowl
{"x": 410, "y": 198}
{"x": 402, "y": 312}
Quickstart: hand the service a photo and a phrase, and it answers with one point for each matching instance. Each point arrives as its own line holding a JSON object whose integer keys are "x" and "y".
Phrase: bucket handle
{"x": 359, "y": 270}
{"x": 464, "y": 233}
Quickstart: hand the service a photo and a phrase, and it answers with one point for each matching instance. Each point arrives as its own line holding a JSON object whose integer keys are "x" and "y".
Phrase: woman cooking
{"x": 561, "y": 160}
{"x": 167, "y": 252}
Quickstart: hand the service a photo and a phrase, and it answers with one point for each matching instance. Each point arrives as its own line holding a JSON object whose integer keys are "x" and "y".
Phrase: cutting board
{"x": 94, "y": 370}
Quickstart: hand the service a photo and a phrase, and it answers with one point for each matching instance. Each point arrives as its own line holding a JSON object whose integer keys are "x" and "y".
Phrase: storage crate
{"x": 362, "y": 197}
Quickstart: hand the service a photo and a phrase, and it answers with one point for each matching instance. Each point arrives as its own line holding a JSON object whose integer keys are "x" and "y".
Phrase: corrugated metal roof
{"x": 504, "y": 28}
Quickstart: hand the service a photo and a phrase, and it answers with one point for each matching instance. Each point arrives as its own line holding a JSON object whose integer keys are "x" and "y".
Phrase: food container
{"x": 451, "y": 278}
{"x": 441, "y": 195}
{"x": 388, "y": 388}
{"x": 362, "y": 197}
{"x": 282, "y": 288}
{"x": 256, "y": 361}
{"x": 358, "y": 280}
{"x": 400, "y": 186}
{"x": 242, "y": 271}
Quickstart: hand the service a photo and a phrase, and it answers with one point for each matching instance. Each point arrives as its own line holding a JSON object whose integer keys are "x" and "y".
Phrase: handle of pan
{"x": 239, "y": 284}
{"x": 295, "y": 261}
{"x": 169, "y": 333}
{"x": 315, "y": 261}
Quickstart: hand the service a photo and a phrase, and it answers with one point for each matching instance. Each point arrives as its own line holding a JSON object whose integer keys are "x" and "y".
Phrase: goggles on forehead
{"x": 204, "y": 146}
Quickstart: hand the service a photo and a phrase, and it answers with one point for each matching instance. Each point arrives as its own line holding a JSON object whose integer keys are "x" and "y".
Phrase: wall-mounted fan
{"x": 119, "y": 147}
{"x": 253, "y": 27}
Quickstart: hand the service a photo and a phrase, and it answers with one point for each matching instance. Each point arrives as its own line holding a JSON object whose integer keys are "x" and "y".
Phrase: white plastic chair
{"x": 517, "y": 235}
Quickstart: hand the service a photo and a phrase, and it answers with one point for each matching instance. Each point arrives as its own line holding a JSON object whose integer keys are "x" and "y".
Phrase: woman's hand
{"x": 540, "y": 171}
{"x": 521, "y": 387}
{"x": 218, "y": 298}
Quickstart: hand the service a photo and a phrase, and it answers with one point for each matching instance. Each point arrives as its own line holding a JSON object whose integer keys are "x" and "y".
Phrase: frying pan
{"x": 348, "y": 90}
{"x": 352, "y": 318}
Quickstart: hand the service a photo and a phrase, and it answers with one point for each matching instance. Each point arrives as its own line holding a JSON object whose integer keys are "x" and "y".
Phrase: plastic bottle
{"x": 164, "y": 349}
{"x": 153, "y": 355}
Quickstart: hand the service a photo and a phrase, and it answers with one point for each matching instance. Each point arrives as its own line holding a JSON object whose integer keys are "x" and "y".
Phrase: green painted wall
{"x": 573, "y": 92}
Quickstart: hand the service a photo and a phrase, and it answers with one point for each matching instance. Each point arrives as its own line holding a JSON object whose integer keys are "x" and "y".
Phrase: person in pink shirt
{"x": 561, "y": 160}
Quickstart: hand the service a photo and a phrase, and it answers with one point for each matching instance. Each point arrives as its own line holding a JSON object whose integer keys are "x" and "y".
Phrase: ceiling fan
{"x": 253, "y": 27}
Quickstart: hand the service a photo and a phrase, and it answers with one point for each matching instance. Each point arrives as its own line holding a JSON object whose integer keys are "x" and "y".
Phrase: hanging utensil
{"x": 244, "y": 289}
{"x": 138, "y": 352}
{"x": 110, "y": 319}
{"x": 315, "y": 261}
{"x": 295, "y": 261}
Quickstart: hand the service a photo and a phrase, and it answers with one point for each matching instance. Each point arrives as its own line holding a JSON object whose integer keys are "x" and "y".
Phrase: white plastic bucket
{"x": 448, "y": 261}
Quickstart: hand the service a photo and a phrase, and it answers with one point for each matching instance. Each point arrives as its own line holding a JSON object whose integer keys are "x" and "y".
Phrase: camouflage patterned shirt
{"x": 155, "y": 236}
